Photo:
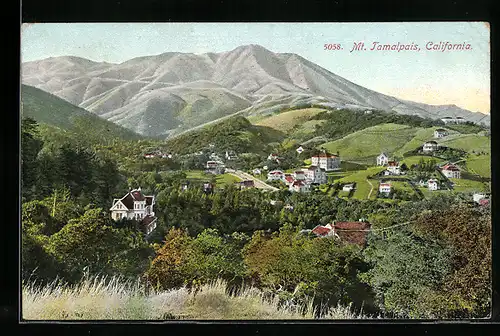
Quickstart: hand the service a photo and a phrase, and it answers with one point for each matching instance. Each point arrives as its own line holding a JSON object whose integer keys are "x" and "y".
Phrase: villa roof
{"x": 351, "y": 231}
{"x": 451, "y": 167}
{"x": 431, "y": 142}
{"x": 385, "y": 184}
{"x": 441, "y": 130}
{"x": 325, "y": 156}
{"x": 298, "y": 183}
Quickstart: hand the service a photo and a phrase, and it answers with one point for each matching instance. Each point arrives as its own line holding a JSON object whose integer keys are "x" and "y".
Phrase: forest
{"x": 429, "y": 258}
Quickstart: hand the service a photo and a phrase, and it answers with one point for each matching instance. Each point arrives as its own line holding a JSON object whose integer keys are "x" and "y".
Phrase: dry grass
{"x": 111, "y": 299}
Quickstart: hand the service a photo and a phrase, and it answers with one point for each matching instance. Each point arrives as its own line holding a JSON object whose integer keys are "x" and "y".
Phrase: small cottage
{"x": 451, "y": 171}
{"x": 440, "y": 133}
{"x": 299, "y": 186}
{"x": 433, "y": 184}
{"x": 430, "y": 146}
{"x": 382, "y": 159}
{"x": 384, "y": 188}
{"x": 275, "y": 175}
{"x": 348, "y": 187}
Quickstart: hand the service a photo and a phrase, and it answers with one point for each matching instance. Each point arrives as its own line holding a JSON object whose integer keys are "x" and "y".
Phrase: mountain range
{"x": 167, "y": 94}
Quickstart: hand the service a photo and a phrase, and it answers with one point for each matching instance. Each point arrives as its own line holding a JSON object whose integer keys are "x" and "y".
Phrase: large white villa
{"x": 135, "y": 205}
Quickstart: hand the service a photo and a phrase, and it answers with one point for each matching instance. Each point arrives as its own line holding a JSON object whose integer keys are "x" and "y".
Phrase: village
{"x": 389, "y": 179}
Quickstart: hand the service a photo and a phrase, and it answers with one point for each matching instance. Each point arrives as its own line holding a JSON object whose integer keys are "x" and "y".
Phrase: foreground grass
{"x": 111, "y": 299}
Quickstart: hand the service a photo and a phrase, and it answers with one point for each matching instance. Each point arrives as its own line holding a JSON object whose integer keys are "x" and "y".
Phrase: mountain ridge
{"x": 169, "y": 93}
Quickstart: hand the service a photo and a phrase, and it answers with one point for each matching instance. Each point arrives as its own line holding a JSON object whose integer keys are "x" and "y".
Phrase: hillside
{"x": 290, "y": 120}
{"x": 235, "y": 133}
{"x": 163, "y": 95}
{"x": 54, "y": 111}
{"x": 366, "y": 144}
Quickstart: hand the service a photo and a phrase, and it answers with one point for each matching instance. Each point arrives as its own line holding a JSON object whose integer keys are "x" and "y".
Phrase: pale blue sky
{"x": 434, "y": 77}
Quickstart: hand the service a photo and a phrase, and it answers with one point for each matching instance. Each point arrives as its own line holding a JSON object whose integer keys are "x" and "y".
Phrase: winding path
{"x": 371, "y": 185}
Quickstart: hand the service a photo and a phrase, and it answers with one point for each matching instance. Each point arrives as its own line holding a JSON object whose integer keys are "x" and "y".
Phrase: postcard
{"x": 255, "y": 171}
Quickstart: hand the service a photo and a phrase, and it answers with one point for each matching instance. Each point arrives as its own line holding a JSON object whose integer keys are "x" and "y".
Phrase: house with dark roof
{"x": 135, "y": 205}
{"x": 440, "y": 133}
{"x": 430, "y": 146}
{"x": 246, "y": 184}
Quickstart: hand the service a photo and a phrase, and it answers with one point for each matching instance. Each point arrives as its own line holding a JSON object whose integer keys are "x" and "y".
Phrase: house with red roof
{"x": 289, "y": 179}
{"x": 135, "y": 205}
{"x": 384, "y": 188}
{"x": 275, "y": 175}
{"x": 299, "y": 186}
{"x": 450, "y": 171}
{"x": 323, "y": 230}
{"x": 352, "y": 232}
{"x": 328, "y": 162}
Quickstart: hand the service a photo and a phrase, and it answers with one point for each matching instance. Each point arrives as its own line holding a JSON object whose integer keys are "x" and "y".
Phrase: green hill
{"x": 235, "y": 133}
{"x": 51, "y": 110}
{"x": 366, "y": 144}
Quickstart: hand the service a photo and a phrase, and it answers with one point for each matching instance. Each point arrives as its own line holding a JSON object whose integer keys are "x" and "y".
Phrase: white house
{"x": 300, "y": 186}
{"x": 299, "y": 175}
{"x": 451, "y": 171}
{"x": 433, "y": 184}
{"x": 348, "y": 187}
{"x": 450, "y": 120}
{"x": 256, "y": 171}
{"x": 272, "y": 157}
{"x": 384, "y": 188}
{"x": 135, "y": 205}
{"x": 326, "y": 161}
{"x": 316, "y": 175}
{"x": 440, "y": 133}
{"x": 477, "y": 197}
{"x": 231, "y": 155}
{"x": 275, "y": 175}
{"x": 382, "y": 159}
{"x": 394, "y": 168}
{"x": 430, "y": 146}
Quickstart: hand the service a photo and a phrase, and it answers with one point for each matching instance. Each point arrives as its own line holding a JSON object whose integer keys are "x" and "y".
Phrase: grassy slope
{"x": 362, "y": 186}
{"x": 51, "y": 110}
{"x": 221, "y": 180}
{"x": 286, "y": 121}
{"x": 236, "y": 133}
{"x": 479, "y": 164}
{"x": 366, "y": 144}
{"x": 96, "y": 299}
{"x": 469, "y": 143}
{"x": 421, "y": 136}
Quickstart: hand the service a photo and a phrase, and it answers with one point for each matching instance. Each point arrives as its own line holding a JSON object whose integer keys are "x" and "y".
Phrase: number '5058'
{"x": 331, "y": 46}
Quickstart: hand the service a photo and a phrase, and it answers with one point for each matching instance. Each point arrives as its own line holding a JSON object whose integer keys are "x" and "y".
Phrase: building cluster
{"x": 393, "y": 167}
{"x": 157, "y": 154}
{"x": 453, "y": 120}
{"x": 300, "y": 180}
